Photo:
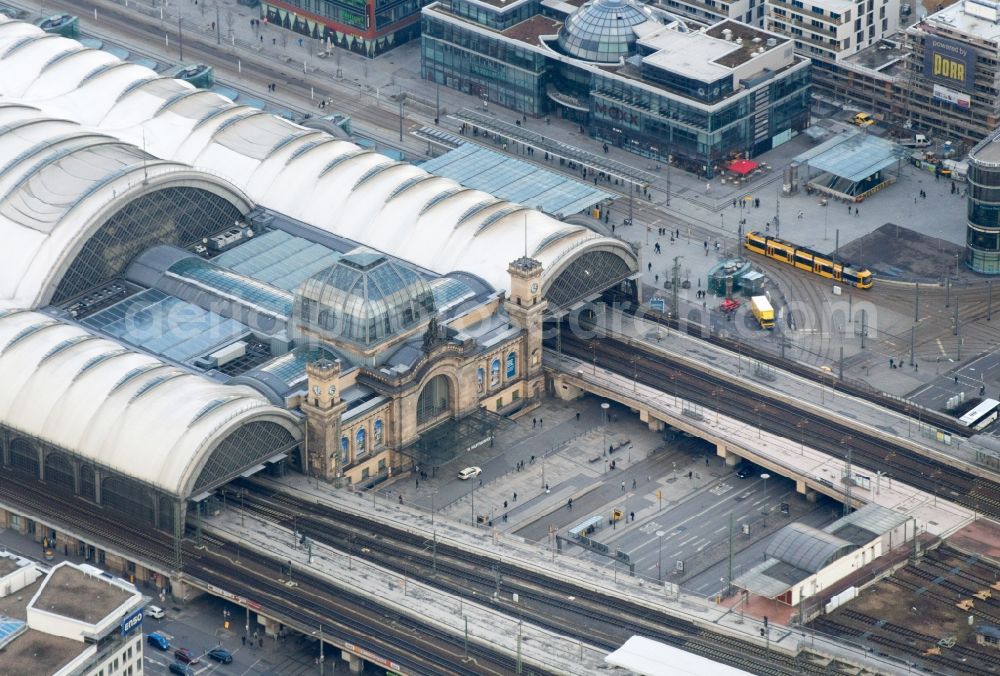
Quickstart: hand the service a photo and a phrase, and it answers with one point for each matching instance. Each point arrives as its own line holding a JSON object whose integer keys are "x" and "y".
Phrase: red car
{"x": 729, "y": 305}
{"x": 186, "y": 656}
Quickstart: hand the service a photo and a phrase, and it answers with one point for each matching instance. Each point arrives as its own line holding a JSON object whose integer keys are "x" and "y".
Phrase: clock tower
{"x": 323, "y": 409}
{"x": 525, "y": 306}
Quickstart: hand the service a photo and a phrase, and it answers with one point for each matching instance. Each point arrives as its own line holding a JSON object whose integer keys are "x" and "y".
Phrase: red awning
{"x": 742, "y": 167}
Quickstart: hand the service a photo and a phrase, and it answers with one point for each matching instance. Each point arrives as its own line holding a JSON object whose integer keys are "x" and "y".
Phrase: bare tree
{"x": 338, "y": 57}
{"x": 284, "y": 42}
{"x": 229, "y": 23}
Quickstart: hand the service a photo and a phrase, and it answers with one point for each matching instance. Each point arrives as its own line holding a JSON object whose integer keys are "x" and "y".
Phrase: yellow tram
{"x": 808, "y": 260}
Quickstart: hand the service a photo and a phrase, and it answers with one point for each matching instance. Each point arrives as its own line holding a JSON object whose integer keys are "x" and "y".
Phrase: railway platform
{"x": 515, "y": 550}
{"x": 479, "y": 622}
{"x": 917, "y": 434}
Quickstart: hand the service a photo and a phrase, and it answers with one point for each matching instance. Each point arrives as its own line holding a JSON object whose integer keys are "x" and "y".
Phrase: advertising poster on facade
{"x": 951, "y": 96}
{"x": 949, "y": 63}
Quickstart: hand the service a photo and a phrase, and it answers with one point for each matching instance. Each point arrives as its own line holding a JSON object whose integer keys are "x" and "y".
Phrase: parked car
{"x": 469, "y": 473}
{"x": 158, "y": 640}
{"x": 729, "y": 305}
{"x": 155, "y": 612}
{"x": 186, "y": 656}
{"x": 221, "y": 655}
{"x": 745, "y": 471}
{"x": 181, "y": 669}
{"x": 863, "y": 120}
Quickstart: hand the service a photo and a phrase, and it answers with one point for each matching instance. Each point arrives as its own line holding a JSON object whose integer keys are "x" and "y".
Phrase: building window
{"x": 364, "y": 474}
{"x": 377, "y": 433}
{"x": 381, "y": 465}
{"x": 361, "y": 441}
{"x": 499, "y": 403}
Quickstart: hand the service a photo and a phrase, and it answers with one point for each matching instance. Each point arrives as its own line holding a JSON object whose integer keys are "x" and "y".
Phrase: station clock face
{"x": 317, "y": 390}
{"x": 534, "y": 287}
{"x": 332, "y": 390}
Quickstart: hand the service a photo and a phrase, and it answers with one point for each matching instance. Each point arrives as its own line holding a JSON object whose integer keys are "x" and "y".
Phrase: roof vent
{"x": 739, "y": 41}
{"x": 771, "y": 42}
{"x": 756, "y": 39}
{"x": 727, "y": 34}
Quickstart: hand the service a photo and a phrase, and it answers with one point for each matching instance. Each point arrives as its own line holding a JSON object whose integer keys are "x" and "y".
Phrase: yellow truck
{"x": 762, "y": 311}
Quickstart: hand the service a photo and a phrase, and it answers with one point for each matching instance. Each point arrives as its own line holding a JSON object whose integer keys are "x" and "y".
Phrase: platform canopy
{"x": 853, "y": 156}
{"x": 647, "y": 657}
{"x": 511, "y": 179}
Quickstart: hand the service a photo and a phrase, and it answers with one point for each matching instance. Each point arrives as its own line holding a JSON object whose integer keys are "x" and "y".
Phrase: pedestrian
{"x": 417, "y": 482}
{"x": 400, "y": 498}
{"x": 578, "y": 416}
{"x": 213, "y": 25}
{"x": 706, "y": 461}
{"x": 515, "y": 497}
{"x": 274, "y": 41}
{"x": 632, "y": 514}
{"x": 856, "y": 211}
{"x": 534, "y": 421}
{"x": 244, "y": 639}
{"x": 623, "y": 487}
{"x": 505, "y": 517}
{"x": 505, "y": 504}
{"x": 546, "y": 488}
{"x": 261, "y": 642}
{"x": 689, "y": 474}
{"x": 633, "y": 484}
{"x": 541, "y": 422}
{"x": 261, "y": 39}
{"x": 480, "y": 483}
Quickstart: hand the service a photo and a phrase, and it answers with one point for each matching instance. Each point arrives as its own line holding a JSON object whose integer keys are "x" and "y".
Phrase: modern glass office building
{"x": 982, "y": 242}
{"x": 632, "y": 74}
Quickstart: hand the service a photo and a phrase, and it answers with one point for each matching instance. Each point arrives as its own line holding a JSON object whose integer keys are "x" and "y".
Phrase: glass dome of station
{"x": 601, "y": 30}
{"x": 364, "y": 298}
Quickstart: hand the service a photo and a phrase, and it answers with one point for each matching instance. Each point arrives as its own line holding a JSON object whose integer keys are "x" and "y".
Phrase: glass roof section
{"x": 291, "y": 366}
{"x": 228, "y": 283}
{"x": 601, "y": 30}
{"x": 515, "y": 180}
{"x": 165, "y": 325}
{"x": 10, "y": 628}
{"x": 449, "y": 292}
{"x": 278, "y": 258}
{"x": 854, "y": 156}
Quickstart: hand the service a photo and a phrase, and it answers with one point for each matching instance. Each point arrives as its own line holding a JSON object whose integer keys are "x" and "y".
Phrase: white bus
{"x": 981, "y": 416}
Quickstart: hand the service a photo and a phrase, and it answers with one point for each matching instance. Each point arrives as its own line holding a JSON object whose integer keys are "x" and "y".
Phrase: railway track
{"x": 833, "y": 437}
{"x": 425, "y": 650}
{"x": 417, "y": 647}
{"x": 567, "y": 609}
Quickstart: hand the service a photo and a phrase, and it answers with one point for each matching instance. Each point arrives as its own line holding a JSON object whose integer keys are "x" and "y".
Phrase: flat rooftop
{"x": 532, "y": 29}
{"x": 884, "y": 57}
{"x": 955, "y": 18}
{"x": 747, "y": 34}
{"x": 35, "y": 652}
{"x": 7, "y": 566}
{"x": 987, "y": 150}
{"x": 72, "y": 593}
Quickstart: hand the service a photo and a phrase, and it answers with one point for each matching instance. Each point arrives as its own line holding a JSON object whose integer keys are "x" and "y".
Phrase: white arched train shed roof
{"x": 99, "y": 400}
{"x": 303, "y": 173}
{"x": 59, "y": 183}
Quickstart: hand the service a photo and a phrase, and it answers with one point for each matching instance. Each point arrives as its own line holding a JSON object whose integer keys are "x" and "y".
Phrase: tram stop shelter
{"x": 852, "y": 166}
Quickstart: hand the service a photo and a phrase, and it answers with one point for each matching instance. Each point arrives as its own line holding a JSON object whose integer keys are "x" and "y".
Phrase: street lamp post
{"x": 765, "y": 476}
{"x": 604, "y": 414}
{"x": 659, "y": 556}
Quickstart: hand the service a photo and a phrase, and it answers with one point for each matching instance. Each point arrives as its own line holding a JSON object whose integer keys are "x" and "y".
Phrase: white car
{"x": 469, "y": 473}
{"x": 155, "y": 612}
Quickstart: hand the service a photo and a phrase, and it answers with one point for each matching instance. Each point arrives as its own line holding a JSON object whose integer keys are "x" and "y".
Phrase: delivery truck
{"x": 762, "y": 311}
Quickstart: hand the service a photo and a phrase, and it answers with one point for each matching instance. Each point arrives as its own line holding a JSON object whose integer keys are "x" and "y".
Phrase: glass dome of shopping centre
{"x": 364, "y": 298}
{"x": 602, "y": 31}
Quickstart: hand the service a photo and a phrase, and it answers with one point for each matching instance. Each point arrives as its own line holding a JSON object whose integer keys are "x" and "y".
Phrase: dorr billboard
{"x": 949, "y": 62}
